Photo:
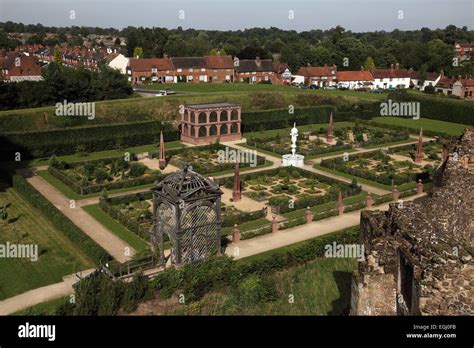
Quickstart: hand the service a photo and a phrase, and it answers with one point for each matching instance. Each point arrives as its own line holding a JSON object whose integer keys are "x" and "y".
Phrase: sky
{"x": 299, "y": 15}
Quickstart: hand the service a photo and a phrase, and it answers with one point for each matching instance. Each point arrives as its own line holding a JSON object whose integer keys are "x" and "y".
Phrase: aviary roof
{"x": 185, "y": 183}
{"x": 210, "y": 106}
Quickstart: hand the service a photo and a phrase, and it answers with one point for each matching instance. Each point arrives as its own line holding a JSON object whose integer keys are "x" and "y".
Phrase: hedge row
{"x": 84, "y": 190}
{"x": 438, "y": 108}
{"x": 281, "y": 118}
{"x": 255, "y": 233}
{"x": 60, "y": 221}
{"x": 92, "y": 138}
{"x": 217, "y": 272}
{"x": 115, "y": 213}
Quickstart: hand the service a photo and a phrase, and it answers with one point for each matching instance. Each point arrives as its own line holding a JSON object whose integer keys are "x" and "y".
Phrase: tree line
{"x": 63, "y": 83}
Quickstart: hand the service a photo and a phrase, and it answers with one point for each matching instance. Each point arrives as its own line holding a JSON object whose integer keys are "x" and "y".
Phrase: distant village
{"x": 26, "y": 62}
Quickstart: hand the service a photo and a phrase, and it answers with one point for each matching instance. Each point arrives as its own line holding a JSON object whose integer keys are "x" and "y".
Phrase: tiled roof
{"x": 358, "y": 75}
{"x": 280, "y": 68}
{"x": 189, "y": 62}
{"x": 219, "y": 62}
{"x": 390, "y": 73}
{"x": 309, "y": 71}
{"x": 146, "y": 64}
{"x": 250, "y": 65}
{"x": 446, "y": 82}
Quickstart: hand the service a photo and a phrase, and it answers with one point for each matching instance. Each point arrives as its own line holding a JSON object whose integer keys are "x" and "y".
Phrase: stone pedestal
{"x": 340, "y": 205}
{"x": 308, "y": 215}
{"x": 419, "y": 187}
{"x": 274, "y": 224}
{"x": 368, "y": 201}
{"x": 290, "y": 160}
{"x": 395, "y": 193}
{"x": 235, "y": 234}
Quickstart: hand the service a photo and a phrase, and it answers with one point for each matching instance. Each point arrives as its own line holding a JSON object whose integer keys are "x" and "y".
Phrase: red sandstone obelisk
{"x": 162, "y": 161}
{"x": 330, "y": 132}
{"x": 236, "y": 194}
{"x": 340, "y": 205}
{"x": 419, "y": 150}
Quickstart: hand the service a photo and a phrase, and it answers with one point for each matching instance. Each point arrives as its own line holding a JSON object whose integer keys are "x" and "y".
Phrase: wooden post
{"x": 395, "y": 193}
{"x": 235, "y": 234}
{"x": 309, "y": 216}
{"x": 368, "y": 201}
{"x": 419, "y": 187}
{"x": 274, "y": 224}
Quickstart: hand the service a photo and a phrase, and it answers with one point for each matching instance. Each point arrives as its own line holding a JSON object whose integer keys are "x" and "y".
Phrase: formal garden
{"x": 379, "y": 167}
{"x": 287, "y": 189}
{"x": 432, "y": 151}
{"x": 212, "y": 159}
{"x": 313, "y": 143}
{"x": 111, "y": 173}
{"x": 135, "y": 212}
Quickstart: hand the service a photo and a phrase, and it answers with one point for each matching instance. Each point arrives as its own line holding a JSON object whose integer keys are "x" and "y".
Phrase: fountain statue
{"x": 293, "y": 159}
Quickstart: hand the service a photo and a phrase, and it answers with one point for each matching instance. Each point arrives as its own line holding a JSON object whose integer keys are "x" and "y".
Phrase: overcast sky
{"x": 355, "y": 15}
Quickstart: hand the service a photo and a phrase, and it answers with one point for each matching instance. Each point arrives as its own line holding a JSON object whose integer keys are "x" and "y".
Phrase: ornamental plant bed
{"x": 292, "y": 188}
{"x": 312, "y": 144}
{"x": 210, "y": 159}
{"x": 379, "y": 167}
{"x": 111, "y": 173}
{"x": 135, "y": 211}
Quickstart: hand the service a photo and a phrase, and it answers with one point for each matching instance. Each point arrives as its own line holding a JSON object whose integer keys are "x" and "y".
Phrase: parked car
{"x": 377, "y": 90}
{"x": 330, "y": 87}
{"x": 343, "y": 88}
{"x": 314, "y": 87}
{"x": 361, "y": 89}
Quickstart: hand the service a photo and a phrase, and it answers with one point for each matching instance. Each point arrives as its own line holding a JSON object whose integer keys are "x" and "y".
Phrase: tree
{"x": 369, "y": 64}
{"x": 218, "y": 51}
{"x": 57, "y": 55}
{"x": 117, "y": 41}
{"x": 138, "y": 52}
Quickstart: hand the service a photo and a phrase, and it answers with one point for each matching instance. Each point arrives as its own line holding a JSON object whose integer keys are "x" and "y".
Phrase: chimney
{"x": 397, "y": 66}
{"x": 325, "y": 65}
{"x": 459, "y": 77}
{"x": 165, "y": 56}
{"x": 308, "y": 65}
{"x": 257, "y": 61}
{"x": 361, "y": 68}
{"x": 391, "y": 66}
{"x": 441, "y": 73}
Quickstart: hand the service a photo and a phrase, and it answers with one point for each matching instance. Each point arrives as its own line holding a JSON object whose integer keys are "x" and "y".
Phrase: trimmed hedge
{"x": 87, "y": 245}
{"x": 438, "y": 108}
{"x": 93, "y": 138}
{"x": 280, "y": 118}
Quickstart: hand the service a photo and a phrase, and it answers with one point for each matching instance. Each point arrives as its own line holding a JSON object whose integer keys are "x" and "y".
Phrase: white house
{"x": 355, "y": 79}
{"x": 430, "y": 79}
{"x": 117, "y": 61}
{"x": 391, "y": 78}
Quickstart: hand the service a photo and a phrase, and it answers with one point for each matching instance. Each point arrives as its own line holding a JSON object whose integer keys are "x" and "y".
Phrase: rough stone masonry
{"x": 419, "y": 254}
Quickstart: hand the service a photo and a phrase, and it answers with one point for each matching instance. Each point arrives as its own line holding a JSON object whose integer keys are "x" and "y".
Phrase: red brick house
{"x": 157, "y": 70}
{"x": 254, "y": 71}
{"x": 282, "y": 73}
{"x": 321, "y": 76}
{"x": 464, "y": 88}
{"x": 19, "y": 66}
{"x": 463, "y": 50}
{"x": 355, "y": 79}
{"x": 203, "y": 69}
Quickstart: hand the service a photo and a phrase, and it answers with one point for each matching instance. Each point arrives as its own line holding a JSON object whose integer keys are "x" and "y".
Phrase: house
{"x": 117, "y": 61}
{"x": 464, "y": 88}
{"x": 420, "y": 81}
{"x": 463, "y": 50}
{"x": 282, "y": 73}
{"x": 445, "y": 85}
{"x": 322, "y": 76}
{"x": 354, "y": 79}
{"x": 17, "y": 67}
{"x": 391, "y": 78}
{"x": 254, "y": 71}
{"x": 158, "y": 70}
{"x": 203, "y": 69}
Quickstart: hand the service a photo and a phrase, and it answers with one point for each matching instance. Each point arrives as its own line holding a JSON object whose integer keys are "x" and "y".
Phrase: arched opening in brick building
{"x": 213, "y": 117}
{"x": 193, "y": 117}
{"x": 224, "y": 116}
{"x": 224, "y": 129}
{"x": 202, "y": 117}
{"x": 213, "y": 130}
{"x": 202, "y": 132}
{"x": 234, "y": 115}
{"x": 233, "y": 128}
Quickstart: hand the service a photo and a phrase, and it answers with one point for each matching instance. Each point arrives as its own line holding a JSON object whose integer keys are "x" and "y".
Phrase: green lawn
{"x": 321, "y": 287}
{"x": 107, "y": 154}
{"x": 425, "y": 123}
{"x": 365, "y": 181}
{"x": 114, "y": 226}
{"x": 69, "y": 193}
{"x": 58, "y": 256}
{"x": 246, "y": 226}
{"x": 44, "y": 308}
